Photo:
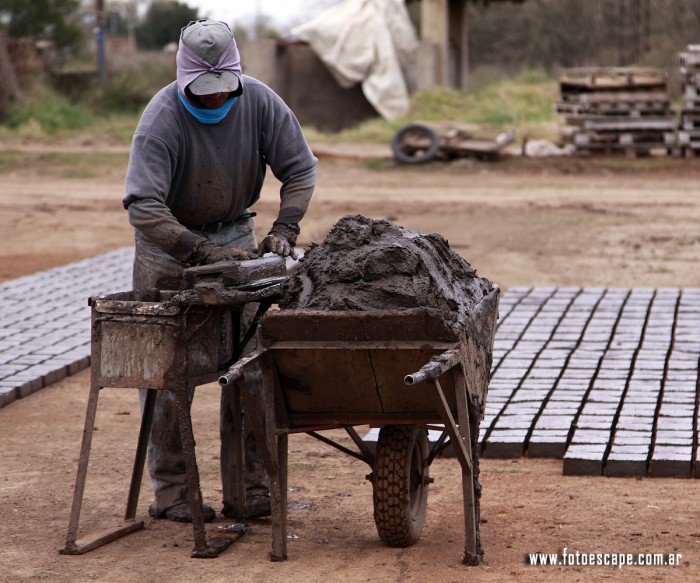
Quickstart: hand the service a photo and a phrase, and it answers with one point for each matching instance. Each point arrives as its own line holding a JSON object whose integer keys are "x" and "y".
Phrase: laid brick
{"x": 590, "y": 437}
{"x": 671, "y": 462}
{"x": 26, "y": 388}
{"x": 7, "y": 395}
{"x": 583, "y": 461}
{"x": 626, "y": 463}
{"x": 510, "y": 422}
{"x": 668, "y": 437}
{"x": 554, "y": 422}
{"x": 547, "y": 444}
{"x": 504, "y": 444}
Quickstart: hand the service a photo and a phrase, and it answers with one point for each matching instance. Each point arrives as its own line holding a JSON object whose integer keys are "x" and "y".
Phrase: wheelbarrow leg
{"x": 273, "y": 448}
{"x": 276, "y": 442}
{"x": 472, "y": 552}
{"x": 461, "y": 439}
{"x": 232, "y": 452}
{"x": 278, "y": 499}
{"x": 276, "y": 461}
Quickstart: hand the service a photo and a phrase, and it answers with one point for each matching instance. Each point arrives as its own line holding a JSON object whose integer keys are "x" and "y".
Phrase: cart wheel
{"x": 414, "y": 144}
{"x": 400, "y": 484}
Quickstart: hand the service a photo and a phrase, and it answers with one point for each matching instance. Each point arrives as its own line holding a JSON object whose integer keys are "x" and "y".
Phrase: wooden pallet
{"x": 631, "y": 151}
{"x": 625, "y": 139}
{"x": 630, "y": 124}
{"x": 577, "y": 115}
{"x": 585, "y": 79}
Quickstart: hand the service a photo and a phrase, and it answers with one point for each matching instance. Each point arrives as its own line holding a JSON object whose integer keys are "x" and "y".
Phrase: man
{"x": 197, "y": 164}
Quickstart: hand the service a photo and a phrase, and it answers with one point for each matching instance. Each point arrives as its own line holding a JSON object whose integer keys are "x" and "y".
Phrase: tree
{"x": 54, "y": 20}
{"x": 162, "y": 24}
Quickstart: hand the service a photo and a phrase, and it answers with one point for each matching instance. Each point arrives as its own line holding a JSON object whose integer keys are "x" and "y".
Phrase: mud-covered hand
{"x": 207, "y": 252}
{"x": 278, "y": 244}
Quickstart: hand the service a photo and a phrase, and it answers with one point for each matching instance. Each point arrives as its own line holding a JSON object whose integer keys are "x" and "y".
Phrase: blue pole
{"x": 100, "y": 38}
{"x": 101, "y": 53}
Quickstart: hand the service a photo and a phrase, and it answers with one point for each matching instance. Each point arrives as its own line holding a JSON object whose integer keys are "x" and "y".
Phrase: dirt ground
{"x": 520, "y": 223}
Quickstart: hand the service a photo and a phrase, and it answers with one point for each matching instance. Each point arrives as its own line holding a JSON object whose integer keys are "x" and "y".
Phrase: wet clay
{"x": 372, "y": 264}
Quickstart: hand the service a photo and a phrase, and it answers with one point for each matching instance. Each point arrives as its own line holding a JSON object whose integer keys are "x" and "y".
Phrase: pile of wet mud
{"x": 373, "y": 264}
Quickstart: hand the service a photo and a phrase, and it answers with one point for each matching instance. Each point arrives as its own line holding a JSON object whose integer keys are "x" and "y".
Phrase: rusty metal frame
{"x": 204, "y": 548}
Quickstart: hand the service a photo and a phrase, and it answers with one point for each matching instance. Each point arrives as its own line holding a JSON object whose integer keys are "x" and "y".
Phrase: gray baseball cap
{"x": 212, "y": 42}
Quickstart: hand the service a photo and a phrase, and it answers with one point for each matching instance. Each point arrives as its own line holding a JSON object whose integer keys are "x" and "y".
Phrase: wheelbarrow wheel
{"x": 400, "y": 484}
{"x": 414, "y": 144}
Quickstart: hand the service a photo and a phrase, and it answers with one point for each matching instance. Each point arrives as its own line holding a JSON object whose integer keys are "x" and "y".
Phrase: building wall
{"x": 295, "y": 73}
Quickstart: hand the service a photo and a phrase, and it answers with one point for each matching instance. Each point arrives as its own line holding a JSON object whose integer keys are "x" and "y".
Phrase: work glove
{"x": 278, "y": 244}
{"x": 206, "y": 253}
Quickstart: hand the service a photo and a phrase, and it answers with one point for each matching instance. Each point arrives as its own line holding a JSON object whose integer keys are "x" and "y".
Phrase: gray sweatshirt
{"x": 184, "y": 172}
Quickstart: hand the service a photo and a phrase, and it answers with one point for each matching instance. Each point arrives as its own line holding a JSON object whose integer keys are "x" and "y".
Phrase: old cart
{"x": 416, "y": 143}
{"x": 404, "y": 371}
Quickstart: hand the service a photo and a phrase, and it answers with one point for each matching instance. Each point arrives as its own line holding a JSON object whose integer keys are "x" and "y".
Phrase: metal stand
{"x": 139, "y": 342}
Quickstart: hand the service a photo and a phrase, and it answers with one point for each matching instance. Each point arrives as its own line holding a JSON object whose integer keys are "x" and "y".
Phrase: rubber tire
{"x": 406, "y": 157}
{"x": 400, "y": 488}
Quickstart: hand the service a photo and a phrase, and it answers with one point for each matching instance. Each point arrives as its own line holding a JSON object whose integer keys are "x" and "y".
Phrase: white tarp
{"x": 372, "y": 42}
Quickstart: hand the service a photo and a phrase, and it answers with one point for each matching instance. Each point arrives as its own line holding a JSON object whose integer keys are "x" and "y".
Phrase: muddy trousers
{"x": 166, "y": 462}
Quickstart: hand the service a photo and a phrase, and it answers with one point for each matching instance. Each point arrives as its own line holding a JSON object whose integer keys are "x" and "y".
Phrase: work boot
{"x": 256, "y": 506}
{"x": 182, "y": 513}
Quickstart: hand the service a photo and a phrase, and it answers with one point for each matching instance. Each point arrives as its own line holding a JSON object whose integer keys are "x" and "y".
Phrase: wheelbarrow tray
{"x": 348, "y": 368}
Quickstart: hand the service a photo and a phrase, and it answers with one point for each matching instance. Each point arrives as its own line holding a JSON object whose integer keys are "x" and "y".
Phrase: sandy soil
{"x": 548, "y": 223}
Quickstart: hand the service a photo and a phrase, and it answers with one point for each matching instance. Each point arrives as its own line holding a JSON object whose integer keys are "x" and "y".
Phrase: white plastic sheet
{"x": 371, "y": 42}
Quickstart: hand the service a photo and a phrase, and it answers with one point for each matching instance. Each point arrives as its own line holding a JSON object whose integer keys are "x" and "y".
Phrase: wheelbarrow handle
{"x": 235, "y": 372}
{"x": 437, "y": 366}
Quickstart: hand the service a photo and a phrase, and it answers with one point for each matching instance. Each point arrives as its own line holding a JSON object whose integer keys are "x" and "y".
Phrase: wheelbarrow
{"x": 403, "y": 371}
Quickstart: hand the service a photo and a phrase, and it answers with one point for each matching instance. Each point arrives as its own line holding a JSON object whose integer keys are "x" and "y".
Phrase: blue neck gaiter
{"x": 209, "y": 116}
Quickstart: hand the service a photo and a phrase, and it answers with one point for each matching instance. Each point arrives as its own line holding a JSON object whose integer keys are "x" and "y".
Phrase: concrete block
{"x": 548, "y": 421}
{"x": 671, "y": 462}
{"x": 626, "y": 437}
{"x": 623, "y": 450}
{"x": 7, "y": 395}
{"x": 54, "y": 376}
{"x": 509, "y": 422}
{"x": 504, "y": 444}
{"x": 678, "y": 438}
{"x": 677, "y": 409}
{"x": 547, "y": 444}
{"x": 674, "y": 424}
{"x": 594, "y": 422}
{"x": 30, "y": 386}
{"x": 583, "y": 461}
{"x": 583, "y": 437}
{"x": 635, "y": 423}
{"x": 625, "y": 464}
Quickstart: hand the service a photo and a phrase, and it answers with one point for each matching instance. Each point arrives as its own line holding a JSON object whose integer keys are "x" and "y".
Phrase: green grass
{"x": 51, "y": 112}
{"x": 523, "y": 103}
{"x": 46, "y": 116}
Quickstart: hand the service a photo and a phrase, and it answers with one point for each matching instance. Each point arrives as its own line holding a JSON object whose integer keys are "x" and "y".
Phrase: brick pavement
{"x": 605, "y": 378}
{"x": 45, "y": 321}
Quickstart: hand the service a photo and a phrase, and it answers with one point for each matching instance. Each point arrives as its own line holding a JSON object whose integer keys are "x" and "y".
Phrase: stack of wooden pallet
{"x": 623, "y": 110}
{"x": 689, "y": 131}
